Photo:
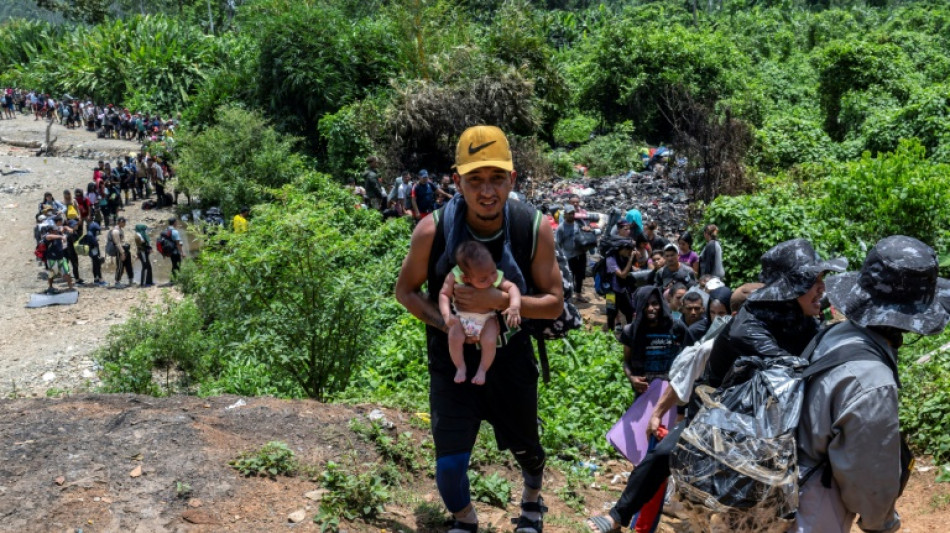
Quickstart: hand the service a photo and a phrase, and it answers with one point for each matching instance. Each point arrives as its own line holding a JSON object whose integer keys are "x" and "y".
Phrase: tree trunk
{"x": 210, "y": 18}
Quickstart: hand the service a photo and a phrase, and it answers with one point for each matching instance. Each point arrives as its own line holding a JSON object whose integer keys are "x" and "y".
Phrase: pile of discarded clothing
{"x": 662, "y": 199}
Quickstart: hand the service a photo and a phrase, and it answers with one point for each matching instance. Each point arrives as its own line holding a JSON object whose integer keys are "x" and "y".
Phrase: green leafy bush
{"x": 350, "y": 496}
{"x": 853, "y": 206}
{"x": 847, "y": 66}
{"x": 303, "y": 74}
{"x": 272, "y": 460}
{"x": 398, "y": 450}
{"x": 491, "y": 489}
{"x": 236, "y": 161}
{"x": 150, "y": 63}
{"x": 626, "y": 75}
{"x": 306, "y": 286}
{"x": 167, "y": 337}
{"x": 609, "y": 154}
{"x": 577, "y": 129}
{"x": 925, "y": 394}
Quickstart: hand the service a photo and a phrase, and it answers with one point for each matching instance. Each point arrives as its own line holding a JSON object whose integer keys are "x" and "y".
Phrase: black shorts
{"x": 508, "y": 400}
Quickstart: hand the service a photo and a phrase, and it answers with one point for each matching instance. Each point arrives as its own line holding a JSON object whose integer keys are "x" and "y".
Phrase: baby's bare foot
{"x": 460, "y": 374}
{"x": 479, "y": 378}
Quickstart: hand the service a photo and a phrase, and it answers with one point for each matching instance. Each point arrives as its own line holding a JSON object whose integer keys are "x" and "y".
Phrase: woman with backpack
{"x": 620, "y": 259}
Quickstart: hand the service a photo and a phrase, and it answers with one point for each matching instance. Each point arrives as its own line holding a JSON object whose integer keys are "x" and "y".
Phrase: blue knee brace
{"x": 452, "y": 480}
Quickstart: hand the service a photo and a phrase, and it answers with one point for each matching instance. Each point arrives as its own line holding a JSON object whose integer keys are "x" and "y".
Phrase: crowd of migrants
{"x": 107, "y": 120}
{"x": 70, "y": 227}
{"x": 784, "y": 394}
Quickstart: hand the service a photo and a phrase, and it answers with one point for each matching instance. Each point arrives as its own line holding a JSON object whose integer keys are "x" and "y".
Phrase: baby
{"x": 477, "y": 269}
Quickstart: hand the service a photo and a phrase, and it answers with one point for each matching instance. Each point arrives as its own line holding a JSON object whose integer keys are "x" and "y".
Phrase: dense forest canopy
{"x": 811, "y": 79}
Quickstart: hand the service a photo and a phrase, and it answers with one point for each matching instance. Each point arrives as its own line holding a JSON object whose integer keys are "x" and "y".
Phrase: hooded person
{"x": 652, "y": 340}
{"x": 635, "y": 219}
{"x": 91, "y": 239}
{"x": 716, "y": 306}
{"x": 650, "y": 344}
{"x": 849, "y": 433}
{"x": 780, "y": 319}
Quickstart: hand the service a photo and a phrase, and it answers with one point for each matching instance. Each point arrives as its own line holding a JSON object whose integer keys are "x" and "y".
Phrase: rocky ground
{"x": 660, "y": 198}
{"x": 49, "y": 349}
{"x": 129, "y": 463}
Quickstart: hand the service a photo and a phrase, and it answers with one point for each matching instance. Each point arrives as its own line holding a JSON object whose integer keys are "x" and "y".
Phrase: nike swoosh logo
{"x": 472, "y": 150}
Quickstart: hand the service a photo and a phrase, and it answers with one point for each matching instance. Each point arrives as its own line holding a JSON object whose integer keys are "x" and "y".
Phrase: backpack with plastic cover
{"x": 735, "y": 465}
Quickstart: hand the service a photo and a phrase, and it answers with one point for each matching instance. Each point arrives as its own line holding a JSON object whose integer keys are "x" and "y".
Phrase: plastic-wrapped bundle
{"x": 737, "y": 459}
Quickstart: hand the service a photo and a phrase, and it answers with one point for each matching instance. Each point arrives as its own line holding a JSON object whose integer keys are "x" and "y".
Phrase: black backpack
{"x": 165, "y": 244}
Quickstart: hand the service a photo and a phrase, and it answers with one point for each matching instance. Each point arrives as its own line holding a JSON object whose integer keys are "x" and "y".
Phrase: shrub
{"x": 304, "y": 285}
{"x": 576, "y": 129}
{"x": 272, "y": 460}
{"x": 925, "y": 395}
{"x": 854, "y": 205}
{"x": 610, "y": 154}
{"x": 351, "y": 496}
{"x": 152, "y": 63}
{"x": 491, "y": 489}
{"x": 168, "y": 336}
{"x": 626, "y": 74}
{"x": 846, "y": 66}
{"x": 235, "y": 162}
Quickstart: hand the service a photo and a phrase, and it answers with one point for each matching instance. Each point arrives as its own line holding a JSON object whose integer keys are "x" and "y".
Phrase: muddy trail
{"x": 133, "y": 463}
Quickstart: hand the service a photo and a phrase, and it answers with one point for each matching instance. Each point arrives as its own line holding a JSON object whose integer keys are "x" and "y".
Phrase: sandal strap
{"x": 534, "y": 507}
{"x": 524, "y": 523}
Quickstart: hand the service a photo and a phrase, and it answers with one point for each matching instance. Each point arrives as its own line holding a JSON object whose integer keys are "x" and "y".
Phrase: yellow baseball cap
{"x": 482, "y": 146}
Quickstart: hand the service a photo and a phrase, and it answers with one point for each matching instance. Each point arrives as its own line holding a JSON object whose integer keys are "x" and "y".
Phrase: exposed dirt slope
{"x": 66, "y": 464}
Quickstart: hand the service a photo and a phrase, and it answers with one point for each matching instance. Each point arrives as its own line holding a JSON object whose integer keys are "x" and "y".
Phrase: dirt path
{"x": 140, "y": 464}
{"x": 49, "y": 348}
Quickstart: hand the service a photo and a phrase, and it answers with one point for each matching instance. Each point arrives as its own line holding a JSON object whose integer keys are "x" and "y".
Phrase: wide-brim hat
{"x": 482, "y": 146}
{"x": 897, "y": 286}
{"x": 790, "y": 269}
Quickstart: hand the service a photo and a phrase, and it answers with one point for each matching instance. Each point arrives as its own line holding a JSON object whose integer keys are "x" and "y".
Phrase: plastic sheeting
{"x": 737, "y": 459}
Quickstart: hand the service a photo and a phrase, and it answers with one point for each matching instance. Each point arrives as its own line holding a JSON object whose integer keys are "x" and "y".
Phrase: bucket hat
{"x": 897, "y": 287}
{"x": 789, "y": 270}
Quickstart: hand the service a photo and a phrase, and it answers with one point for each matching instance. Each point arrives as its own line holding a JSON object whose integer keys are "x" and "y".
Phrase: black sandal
{"x": 464, "y": 526}
{"x": 524, "y": 524}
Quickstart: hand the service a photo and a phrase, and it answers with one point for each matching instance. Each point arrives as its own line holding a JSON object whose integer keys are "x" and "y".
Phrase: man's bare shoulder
{"x": 424, "y": 232}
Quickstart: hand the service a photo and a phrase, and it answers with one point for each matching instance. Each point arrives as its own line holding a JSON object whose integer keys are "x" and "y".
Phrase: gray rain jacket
{"x": 849, "y": 416}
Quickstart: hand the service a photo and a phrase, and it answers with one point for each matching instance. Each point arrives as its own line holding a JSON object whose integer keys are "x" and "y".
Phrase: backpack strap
{"x": 830, "y": 360}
